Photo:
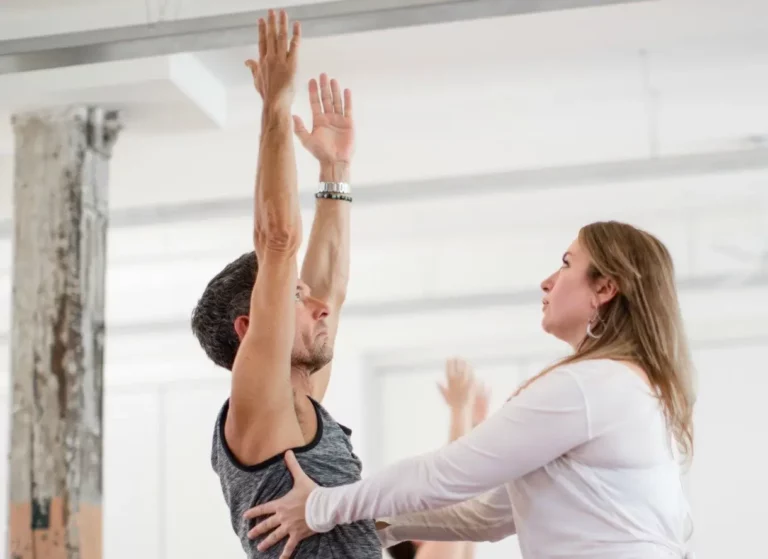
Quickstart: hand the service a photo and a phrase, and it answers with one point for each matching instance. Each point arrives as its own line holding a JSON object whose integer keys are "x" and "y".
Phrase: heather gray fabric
{"x": 328, "y": 460}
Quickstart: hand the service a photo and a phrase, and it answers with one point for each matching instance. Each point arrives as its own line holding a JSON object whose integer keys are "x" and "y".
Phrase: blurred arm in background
{"x": 467, "y": 400}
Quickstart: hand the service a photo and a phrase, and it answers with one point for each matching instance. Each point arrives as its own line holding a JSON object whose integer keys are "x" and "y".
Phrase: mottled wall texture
{"x": 57, "y": 343}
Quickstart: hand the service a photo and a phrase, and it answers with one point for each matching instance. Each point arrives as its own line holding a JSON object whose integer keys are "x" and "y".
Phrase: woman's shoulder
{"x": 606, "y": 374}
{"x": 613, "y": 391}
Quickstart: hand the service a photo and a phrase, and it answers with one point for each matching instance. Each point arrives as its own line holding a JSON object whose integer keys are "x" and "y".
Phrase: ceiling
{"x": 536, "y": 91}
{"x": 654, "y": 45}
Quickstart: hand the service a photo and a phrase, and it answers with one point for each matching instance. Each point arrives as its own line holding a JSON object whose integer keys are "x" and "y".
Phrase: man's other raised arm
{"x": 261, "y": 388}
{"x": 326, "y": 264}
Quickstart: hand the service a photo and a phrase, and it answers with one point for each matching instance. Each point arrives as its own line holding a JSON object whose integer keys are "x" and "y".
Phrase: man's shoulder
{"x": 224, "y": 461}
{"x": 331, "y": 442}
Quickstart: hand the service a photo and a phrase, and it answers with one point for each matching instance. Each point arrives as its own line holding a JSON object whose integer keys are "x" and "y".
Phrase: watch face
{"x": 336, "y": 187}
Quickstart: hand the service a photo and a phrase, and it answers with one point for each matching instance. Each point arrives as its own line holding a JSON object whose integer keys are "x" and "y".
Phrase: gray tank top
{"x": 328, "y": 460}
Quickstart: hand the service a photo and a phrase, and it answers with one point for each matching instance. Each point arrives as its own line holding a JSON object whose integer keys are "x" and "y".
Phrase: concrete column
{"x": 57, "y": 332}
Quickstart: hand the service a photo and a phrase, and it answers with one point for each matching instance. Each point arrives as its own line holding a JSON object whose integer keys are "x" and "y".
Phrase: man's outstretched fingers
{"x": 289, "y": 548}
{"x": 301, "y": 131}
{"x": 262, "y": 37}
{"x": 314, "y": 98}
{"x": 263, "y": 527}
{"x": 338, "y": 107}
{"x": 273, "y": 538}
{"x": 325, "y": 94}
{"x": 293, "y": 466}
{"x": 296, "y": 39}
{"x": 260, "y": 510}
{"x": 348, "y": 103}
{"x": 253, "y": 66}
{"x": 282, "y": 34}
{"x": 271, "y": 32}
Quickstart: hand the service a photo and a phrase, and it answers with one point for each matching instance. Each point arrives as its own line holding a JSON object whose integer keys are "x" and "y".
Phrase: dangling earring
{"x": 595, "y": 318}
{"x": 589, "y": 332}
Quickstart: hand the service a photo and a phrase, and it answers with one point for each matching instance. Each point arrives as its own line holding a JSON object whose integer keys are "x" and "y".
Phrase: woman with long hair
{"x": 582, "y": 462}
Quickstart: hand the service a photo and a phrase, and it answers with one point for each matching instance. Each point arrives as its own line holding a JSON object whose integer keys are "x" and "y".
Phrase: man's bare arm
{"x": 326, "y": 263}
{"x": 261, "y": 387}
{"x": 326, "y": 268}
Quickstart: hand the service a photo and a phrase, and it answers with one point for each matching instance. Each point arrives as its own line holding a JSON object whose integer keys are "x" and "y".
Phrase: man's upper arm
{"x": 261, "y": 385}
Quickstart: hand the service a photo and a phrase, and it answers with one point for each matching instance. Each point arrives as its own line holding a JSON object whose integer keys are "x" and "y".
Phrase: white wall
{"x": 728, "y": 481}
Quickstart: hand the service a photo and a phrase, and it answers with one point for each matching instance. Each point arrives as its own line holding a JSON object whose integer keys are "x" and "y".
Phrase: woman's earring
{"x": 589, "y": 332}
{"x": 596, "y": 318}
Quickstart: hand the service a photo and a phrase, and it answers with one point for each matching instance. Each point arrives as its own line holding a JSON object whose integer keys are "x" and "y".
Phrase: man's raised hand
{"x": 274, "y": 72}
{"x": 333, "y": 134}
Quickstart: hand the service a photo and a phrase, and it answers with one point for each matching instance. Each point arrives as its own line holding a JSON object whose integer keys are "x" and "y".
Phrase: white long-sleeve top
{"x": 579, "y": 464}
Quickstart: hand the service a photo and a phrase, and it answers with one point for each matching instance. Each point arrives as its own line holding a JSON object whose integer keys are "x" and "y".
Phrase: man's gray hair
{"x": 227, "y": 296}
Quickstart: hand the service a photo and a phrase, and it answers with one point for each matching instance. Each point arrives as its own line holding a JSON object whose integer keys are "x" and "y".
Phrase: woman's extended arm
{"x": 487, "y": 518}
{"x": 542, "y": 423}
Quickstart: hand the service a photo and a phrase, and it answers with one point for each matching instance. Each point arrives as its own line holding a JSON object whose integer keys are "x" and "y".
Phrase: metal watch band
{"x": 334, "y": 187}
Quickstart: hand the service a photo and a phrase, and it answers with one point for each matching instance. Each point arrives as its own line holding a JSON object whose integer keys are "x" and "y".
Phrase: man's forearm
{"x": 277, "y": 217}
{"x": 326, "y": 263}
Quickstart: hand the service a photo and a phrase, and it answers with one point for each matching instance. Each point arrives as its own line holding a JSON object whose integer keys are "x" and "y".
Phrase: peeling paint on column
{"x": 57, "y": 333}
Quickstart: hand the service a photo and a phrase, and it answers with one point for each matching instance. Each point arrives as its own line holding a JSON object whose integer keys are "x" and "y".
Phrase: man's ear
{"x": 241, "y": 326}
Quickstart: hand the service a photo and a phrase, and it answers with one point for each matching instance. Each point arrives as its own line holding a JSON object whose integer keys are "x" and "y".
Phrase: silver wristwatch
{"x": 334, "y": 187}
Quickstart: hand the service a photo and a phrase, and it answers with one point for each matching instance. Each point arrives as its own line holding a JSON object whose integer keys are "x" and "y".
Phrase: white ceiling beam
{"x": 200, "y": 86}
{"x": 86, "y": 84}
{"x": 237, "y": 29}
{"x": 609, "y": 173}
{"x": 181, "y": 81}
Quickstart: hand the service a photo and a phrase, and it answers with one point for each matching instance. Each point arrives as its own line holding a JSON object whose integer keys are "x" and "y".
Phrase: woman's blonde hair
{"x": 642, "y": 324}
